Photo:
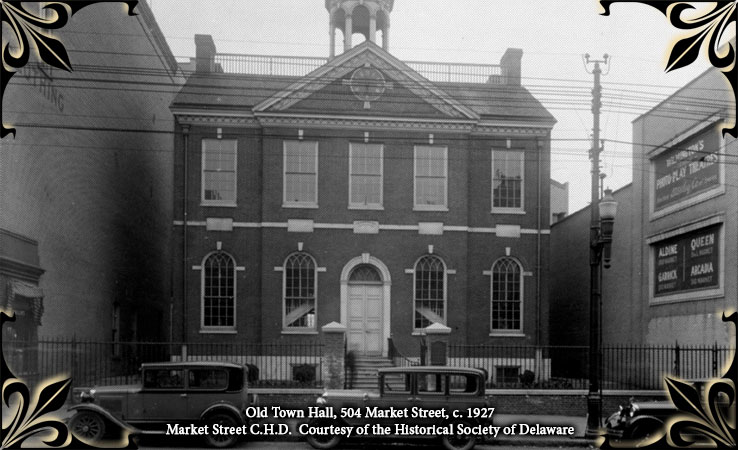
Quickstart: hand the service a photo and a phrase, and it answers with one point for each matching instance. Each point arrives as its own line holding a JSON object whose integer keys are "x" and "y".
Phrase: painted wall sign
{"x": 687, "y": 170}
{"x": 688, "y": 262}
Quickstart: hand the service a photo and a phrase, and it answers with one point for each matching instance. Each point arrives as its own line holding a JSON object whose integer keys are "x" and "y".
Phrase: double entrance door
{"x": 365, "y": 322}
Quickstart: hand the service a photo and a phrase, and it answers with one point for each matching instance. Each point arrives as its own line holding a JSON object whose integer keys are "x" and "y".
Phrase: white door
{"x": 365, "y": 318}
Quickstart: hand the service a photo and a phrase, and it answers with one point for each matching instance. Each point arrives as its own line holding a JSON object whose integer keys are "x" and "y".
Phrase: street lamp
{"x": 603, "y": 220}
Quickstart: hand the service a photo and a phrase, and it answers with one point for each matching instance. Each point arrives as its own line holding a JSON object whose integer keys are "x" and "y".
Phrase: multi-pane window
{"x": 506, "y": 295}
{"x": 430, "y": 177}
{"x": 430, "y": 291}
{"x": 218, "y": 171}
{"x": 219, "y": 291}
{"x": 507, "y": 180}
{"x": 299, "y": 291}
{"x": 365, "y": 184}
{"x": 300, "y": 173}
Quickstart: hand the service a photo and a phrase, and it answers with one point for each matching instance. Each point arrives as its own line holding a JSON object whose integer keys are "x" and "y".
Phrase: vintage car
{"x": 419, "y": 401}
{"x": 639, "y": 421}
{"x": 200, "y": 393}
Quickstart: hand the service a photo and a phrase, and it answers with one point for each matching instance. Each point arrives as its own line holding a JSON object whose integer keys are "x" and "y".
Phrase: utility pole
{"x": 594, "y": 396}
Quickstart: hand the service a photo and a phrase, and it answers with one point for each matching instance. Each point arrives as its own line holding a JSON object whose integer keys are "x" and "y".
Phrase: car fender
{"x": 222, "y": 407}
{"x": 641, "y": 420}
{"x": 106, "y": 414}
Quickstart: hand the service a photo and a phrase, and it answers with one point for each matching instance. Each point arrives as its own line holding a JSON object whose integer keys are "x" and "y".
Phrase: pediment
{"x": 366, "y": 80}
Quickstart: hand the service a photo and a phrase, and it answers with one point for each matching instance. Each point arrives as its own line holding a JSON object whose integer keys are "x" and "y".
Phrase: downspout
{"x": 539, "y": 359}
{"x": 185, "y": 185}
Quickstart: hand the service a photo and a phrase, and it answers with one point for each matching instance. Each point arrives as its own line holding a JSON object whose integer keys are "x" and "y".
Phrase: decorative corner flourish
{"x": 703, "y": 419}
{"x": 29, "y": 416}
{"x": 706, "y": 30}
{"x": 26, "y": 26}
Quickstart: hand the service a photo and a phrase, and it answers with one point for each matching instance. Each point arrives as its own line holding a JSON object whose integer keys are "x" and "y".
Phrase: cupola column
{"x": 347, "y": 32}
{"x": 385, "y": 33}
{"x": 373, "y": 27}
{"x": 332, "y": 31}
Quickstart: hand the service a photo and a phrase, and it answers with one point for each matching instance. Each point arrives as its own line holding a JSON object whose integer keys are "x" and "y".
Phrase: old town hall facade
{"x": 359, "y": 189}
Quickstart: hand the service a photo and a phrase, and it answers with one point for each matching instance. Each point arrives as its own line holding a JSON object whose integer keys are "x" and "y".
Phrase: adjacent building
{"x": 86, "y": 183}
{"x": 380, "y": 194}
{"x": 559, "y": 200}
{"x": 675, "y": 244}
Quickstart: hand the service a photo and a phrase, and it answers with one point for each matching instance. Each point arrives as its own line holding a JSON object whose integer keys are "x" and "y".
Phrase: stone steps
{"x": 365, "y": 372}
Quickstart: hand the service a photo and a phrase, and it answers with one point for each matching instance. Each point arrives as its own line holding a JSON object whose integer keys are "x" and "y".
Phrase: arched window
{"x": 430, "y": 291}
{"x": 300, "y": 290}
{"x": 507, "y": 295}
{"x": 219, "y": 291}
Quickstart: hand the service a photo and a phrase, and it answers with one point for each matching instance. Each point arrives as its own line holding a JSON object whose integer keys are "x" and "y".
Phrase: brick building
{"x": 85, "y": 185}
{"x": 360, "y": 189}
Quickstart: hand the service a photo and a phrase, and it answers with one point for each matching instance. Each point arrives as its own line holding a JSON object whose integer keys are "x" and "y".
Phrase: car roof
{"x": 433, "y": 369}
{"x": 190, "y": 364}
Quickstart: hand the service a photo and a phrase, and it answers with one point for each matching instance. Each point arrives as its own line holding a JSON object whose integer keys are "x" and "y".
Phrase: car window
{"x": 463, "y": 384}
{"x": 396, "y": 383}
{"x": 163, "y": 378}
{"x": 208, "y": 378}
{"x": 431, "y": 383}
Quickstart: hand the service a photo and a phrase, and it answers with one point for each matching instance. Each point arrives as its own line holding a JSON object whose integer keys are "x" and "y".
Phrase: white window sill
{"x": 516, "y": 334}
{"x": 299, "y": 332}
{"x": 218, "y": 331}
{"x": 219, "y": 205}
{"x": 430, "y": 208}
{"x": 421, "y": 333}
{"x": 300, "y": 205}
{"x": 507, "y": 211}
{"x": 367, "y": 207}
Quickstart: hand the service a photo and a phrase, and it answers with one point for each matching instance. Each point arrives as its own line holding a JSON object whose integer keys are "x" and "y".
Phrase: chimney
{"x": 510, "y": 64}
{"x": 204, "y": 53}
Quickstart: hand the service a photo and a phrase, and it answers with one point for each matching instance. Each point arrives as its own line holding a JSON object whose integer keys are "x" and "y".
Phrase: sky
{"x": 554, "y": 35}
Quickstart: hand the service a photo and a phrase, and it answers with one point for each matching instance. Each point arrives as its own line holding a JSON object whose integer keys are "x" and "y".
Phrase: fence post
{"x": 676, "y": 359}
{"x": 333, "y": 358}
{"x": 715, "y": 360}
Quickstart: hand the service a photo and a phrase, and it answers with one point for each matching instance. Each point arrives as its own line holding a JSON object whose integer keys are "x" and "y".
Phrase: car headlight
{"x": 87, "y": 396}
{"x": 321, "y": 401}
{"x": 633, "y": 409}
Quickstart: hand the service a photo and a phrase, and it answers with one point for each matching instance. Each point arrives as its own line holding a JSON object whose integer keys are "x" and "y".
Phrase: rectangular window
{"x": 365, "y": 173}
{"x": 507, "y": 181}
{"x": 300, "y": 174}
{"x": 431, "y": 176}
{"x": 507, "y": 376}
{"x": 219, "y": 172}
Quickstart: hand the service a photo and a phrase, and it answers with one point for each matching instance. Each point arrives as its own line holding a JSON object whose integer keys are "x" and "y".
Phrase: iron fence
{"x": 105, "y": 363}
{"x": 298, "y": 66}
{"x": 566, "y": 367}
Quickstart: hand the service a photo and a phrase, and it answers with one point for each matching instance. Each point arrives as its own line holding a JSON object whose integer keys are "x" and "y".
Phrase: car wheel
{"x": 458, "y": 441}
{"x": 87, "y": 426}
{"x": 643, "y": 430}
{"x": 322, "y": 441}
{"x": 221, "y": 440}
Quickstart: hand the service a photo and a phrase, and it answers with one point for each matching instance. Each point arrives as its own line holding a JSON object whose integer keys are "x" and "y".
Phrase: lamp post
{"x": 599, "y": 251}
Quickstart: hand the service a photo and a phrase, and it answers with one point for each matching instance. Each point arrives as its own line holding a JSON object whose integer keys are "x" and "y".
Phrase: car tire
{"x": 221, "y": 440}
{"x": 87, "y": 426}
{"x": 643, "y": 430}
{"x": 321, "y": 441}
{"x": 458, "y": 441}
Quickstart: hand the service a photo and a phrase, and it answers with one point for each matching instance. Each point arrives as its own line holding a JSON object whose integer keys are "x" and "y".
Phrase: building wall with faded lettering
{"x": 685, "y": 234}
{"x": 88, "y": 176}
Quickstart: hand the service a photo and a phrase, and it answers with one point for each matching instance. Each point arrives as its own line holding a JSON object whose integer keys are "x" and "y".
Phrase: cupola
{"x": 364, "y": 17}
